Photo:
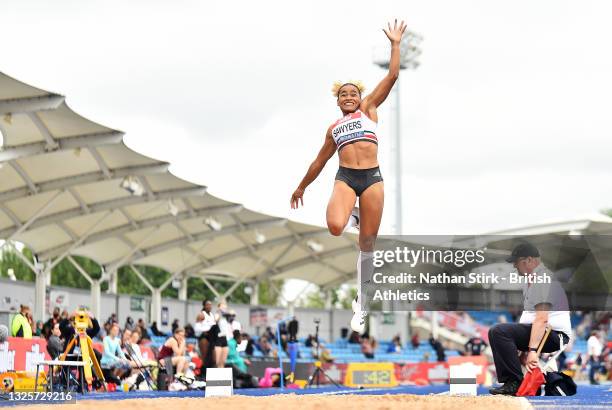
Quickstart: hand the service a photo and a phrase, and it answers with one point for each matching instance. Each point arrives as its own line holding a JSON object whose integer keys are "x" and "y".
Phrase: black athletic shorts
{"x": 359, "y": 179}
{"x": 221, "y": 341}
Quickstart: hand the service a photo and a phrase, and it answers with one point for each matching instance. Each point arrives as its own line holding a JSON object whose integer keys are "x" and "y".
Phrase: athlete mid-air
{"x": 354, "y": 136}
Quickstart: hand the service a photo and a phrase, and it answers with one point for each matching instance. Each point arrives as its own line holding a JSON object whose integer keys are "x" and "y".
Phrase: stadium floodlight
{"x": 259, "y": 237}
{"x": 131, "y": 184}
{"x": 408, "y": 55}
{"x": 213, "y": 223}
{"x": 172, "y": 208}
{"x": 315, "y": 246}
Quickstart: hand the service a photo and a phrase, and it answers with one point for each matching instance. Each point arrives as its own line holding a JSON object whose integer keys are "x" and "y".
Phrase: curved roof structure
{"x": 70, "y": 186}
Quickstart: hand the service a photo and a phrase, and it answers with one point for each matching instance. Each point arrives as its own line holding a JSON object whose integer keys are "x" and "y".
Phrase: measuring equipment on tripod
{"x": 81, "y": 323}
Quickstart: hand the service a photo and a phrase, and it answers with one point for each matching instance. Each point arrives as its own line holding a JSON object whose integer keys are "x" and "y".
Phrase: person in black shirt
{"x": 475, "y": 346}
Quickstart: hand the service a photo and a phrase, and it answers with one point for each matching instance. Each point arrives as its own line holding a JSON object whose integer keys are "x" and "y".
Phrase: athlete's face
{"x": 349, "y": 98}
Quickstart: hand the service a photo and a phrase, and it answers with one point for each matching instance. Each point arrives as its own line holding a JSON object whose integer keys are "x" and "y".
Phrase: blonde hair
{"x": 339, "y": 84}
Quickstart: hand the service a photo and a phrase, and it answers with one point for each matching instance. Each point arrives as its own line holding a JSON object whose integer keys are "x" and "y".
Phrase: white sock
{"x": 365, "y": 270}
{"x": 352, "y": 222}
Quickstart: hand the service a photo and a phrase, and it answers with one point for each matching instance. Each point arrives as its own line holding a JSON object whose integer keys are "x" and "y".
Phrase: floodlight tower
{"x": 408, "y": 55}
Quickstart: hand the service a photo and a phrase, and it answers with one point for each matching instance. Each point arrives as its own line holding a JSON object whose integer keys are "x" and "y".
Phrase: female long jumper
{"x": 354, "y": 136}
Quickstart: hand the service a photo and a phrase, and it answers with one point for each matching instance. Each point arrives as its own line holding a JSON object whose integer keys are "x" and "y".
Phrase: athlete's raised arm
{"x": 326, "y": 152}
{"x": 382, "y": 90}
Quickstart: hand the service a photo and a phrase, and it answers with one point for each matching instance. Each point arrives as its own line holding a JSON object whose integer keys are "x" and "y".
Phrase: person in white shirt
{"x": 234, "y": 324}
{"x": 204, "y": 322}
{"x": 594, "y": 349}
{"x": 545, "y": 304}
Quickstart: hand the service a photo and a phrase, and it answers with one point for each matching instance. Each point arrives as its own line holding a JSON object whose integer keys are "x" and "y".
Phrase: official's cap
{"x": 523, "y": 250}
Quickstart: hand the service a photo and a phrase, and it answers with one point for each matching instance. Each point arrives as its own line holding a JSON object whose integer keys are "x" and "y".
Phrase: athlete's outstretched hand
{"x": 395, "y": 34}
{"x": 296, "y": 198}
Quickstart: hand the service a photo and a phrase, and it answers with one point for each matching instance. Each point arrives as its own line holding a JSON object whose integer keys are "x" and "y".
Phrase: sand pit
{"x": 307, "y": 402}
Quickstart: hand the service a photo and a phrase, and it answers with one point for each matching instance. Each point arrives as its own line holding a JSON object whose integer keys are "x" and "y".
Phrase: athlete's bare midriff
{"x": 359, "y": 155}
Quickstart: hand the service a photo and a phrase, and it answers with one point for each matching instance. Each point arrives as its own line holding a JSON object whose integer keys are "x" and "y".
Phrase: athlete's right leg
{"x": 339, "y": 207}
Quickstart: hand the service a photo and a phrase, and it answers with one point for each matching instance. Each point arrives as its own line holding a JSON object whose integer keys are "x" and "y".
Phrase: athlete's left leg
{"x": 371, "y": 203}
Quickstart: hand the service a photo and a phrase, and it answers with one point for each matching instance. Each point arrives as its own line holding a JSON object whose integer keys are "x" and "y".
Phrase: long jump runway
{"x": 429, "y": 397}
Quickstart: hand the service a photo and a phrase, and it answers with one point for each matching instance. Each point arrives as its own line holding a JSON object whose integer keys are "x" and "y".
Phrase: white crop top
{"x": 353, "y": 127}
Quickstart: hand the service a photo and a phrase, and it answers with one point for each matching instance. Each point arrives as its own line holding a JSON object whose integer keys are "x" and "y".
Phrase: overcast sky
{"x": 506, "y": 122}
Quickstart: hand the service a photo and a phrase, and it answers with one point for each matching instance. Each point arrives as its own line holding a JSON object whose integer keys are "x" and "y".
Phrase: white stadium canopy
{"x": 69, "y": 186}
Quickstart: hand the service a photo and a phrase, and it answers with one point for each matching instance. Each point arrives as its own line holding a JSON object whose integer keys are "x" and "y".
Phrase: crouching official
{"x": 545, "y": 304}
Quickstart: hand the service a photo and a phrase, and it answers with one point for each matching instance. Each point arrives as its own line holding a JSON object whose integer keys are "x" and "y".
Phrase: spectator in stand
{"x": 135, "y": 355}
{"x": 155, "y": 330}
{"x": 233, "y": 357}
{"x": 368, "y": 346}
{"x": 269, "y": 334}
{"x": 21, "y": 326}
{"x": 112, "y": 319}
{"x": 264, "y": 346}
{"x": 414, "y": 341}
{"x": 395, "y": 346}
{"x": 309, "y": 341}
{"x": 114, "y": 363}
{"x": 189, "y": 332}
{"x": 39, "y": 328}
{"x": 54, "y": 319}
{"x": 235, "y": 324}
{"x": 126, "y": 337}
{"x": 475, "y": 346}
{"x": 250, "y": 345}
{"x": 129, "y": 324}
{"x": 204, "y": 323}
{"x": 143, "y": 329}
{"x": 174, "y": 348}
{"x": 242, "y": 379}
{"x": 438, "y": 348}
{"x": 54, "y": 343}
{"x": 354, "y": 338}
{"x": 175, "y": 325}
{"x": 594, "y": 350}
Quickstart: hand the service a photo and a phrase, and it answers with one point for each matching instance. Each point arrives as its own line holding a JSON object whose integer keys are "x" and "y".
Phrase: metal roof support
{"x": 211, "y": 287}
{"x": 255, "y": 294}
{"x": 206, "y": 235}
{"x": 30, "y": 104}
{"x": 183, "y": 289}
{"x": 33, "y": 189}
{"x": 44, "y": 131}
{"x": 144, "y": 280}
{"x": 272, "y": 266}
{"x": 37, "y": 214}
{"x": 145, "y": 223}
{"x": 20, "y": 255}
{"x": 79, "y": 141}
{"x": 81, "y": 239}
{"x": 268, "y": 244}
{"x": 116, "y": 265}
{"x": 95, "y": 288}
{"x": 112, "y": 204}
{"x": 43, "y": 274}
{"x": 82, "y": 179}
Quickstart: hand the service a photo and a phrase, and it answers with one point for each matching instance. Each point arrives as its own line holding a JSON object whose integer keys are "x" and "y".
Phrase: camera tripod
{"x": 81, "y": 323}
{"x": 318, "y": 371}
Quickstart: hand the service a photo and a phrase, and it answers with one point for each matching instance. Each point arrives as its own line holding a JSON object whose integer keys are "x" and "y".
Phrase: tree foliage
{"x": 65, "y": 274}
